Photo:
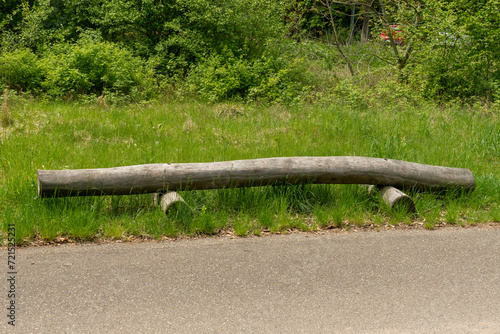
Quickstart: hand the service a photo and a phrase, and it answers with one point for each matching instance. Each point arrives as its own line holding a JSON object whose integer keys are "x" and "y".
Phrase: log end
{"x": 168, "y": 200}
{"x": 404, "y": 203}
{"x": 397, "y": 199}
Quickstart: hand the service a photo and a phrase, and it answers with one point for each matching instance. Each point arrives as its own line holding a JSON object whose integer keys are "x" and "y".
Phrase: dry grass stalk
{"x": 6, "y": 117}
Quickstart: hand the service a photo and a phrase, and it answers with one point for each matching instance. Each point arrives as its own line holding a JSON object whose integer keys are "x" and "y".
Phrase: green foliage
{"x": 93, "y": 67}
{"x": 171, "y": 37}
{"x": 269, "y": 78}
{"x": 250, "y": 49}
{"x": 219, "y": 78}
{"x": 206, "y": 28}
{"x": 303, "y": 19}
{"x": 453, "y": 53}
{"x": 11, "y": 13}
{"x": 26, "y": 27}
{"x": 176, "y": 32}
{"x": 346, "y": 92}
{"x": 20, "y": 70}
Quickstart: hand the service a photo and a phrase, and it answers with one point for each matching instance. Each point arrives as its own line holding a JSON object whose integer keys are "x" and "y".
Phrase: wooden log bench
{"x": 164, "y": 178}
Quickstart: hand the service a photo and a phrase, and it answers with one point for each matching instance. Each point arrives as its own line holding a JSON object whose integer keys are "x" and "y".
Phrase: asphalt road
{"x": 445, "y": 281}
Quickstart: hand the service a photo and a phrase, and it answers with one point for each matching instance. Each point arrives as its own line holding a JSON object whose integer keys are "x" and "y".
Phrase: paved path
{"x": 445, "y": 281}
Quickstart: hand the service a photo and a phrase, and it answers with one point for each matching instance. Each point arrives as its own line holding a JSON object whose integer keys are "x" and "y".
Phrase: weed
{"x": 494, "y": 213}
{"x": 322, "y": 216}
{"x": 338, "y": 217}
{"x": 266, "y": 217}
{"x": 429, "y": 225}
{"x": 451, "y": 215}
{"x": 241, "y": 225}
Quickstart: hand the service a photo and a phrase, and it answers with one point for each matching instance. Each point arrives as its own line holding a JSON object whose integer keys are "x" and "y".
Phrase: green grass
{"x": 64, "y": 135}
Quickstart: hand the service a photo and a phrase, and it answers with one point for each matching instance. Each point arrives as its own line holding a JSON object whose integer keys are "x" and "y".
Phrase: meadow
{"x": 37, "y": 134}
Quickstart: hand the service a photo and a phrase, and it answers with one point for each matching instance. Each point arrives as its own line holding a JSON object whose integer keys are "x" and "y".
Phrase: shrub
{"x": 178, "y": 33}
{"x": 269, "y": 77}
{"x": 458, "y": 54}
{"x": 93, "y": 67}
{"x": 283, "y": 80}
{"x": 20, "y": 70}
{"x": 454, "y": 71}
{"x": 218, "y": 78}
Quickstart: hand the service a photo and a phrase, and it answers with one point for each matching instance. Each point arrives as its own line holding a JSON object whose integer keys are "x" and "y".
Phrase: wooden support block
{"x": 397, "y": 199}
{"x": 167, "y": 200}
{"x": 394, "y": 197}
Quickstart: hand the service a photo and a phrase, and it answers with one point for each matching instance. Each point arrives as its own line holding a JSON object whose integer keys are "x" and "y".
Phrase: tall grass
{"x": 69, "y": 136}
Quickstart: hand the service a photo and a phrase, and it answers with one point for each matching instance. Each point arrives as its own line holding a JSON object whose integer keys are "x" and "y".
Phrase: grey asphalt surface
{"x": 416, "y": 281}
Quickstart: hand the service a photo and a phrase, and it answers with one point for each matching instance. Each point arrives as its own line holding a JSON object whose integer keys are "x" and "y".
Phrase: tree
{"x": 406, "y": 14}
{"x": 459, "y": 56}
{"x": 330, "y": 13}
{"x": 365, "y": 29}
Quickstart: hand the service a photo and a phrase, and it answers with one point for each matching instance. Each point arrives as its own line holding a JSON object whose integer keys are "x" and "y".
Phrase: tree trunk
{"x": 247, "y": 173}
{"x": 365, "y": 30}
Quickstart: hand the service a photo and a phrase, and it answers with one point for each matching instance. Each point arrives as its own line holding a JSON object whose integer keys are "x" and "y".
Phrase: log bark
{"x": 153, "y": 178}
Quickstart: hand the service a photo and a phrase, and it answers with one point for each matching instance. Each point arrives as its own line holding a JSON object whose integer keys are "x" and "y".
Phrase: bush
{"x": 178, "y": 33}
{"x": 20, "y": 70}
{"x": 219, "y": 78}
{"x": 458, "y": 54}
{"x": 268, "y": 78}
{"x": 448, "y": 72}
{"x": 94, "y": 67}
{"x": 283, "y": 80}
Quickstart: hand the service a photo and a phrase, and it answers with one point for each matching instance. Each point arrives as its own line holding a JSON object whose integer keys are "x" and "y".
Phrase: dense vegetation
{"x": 249, "y": 49}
